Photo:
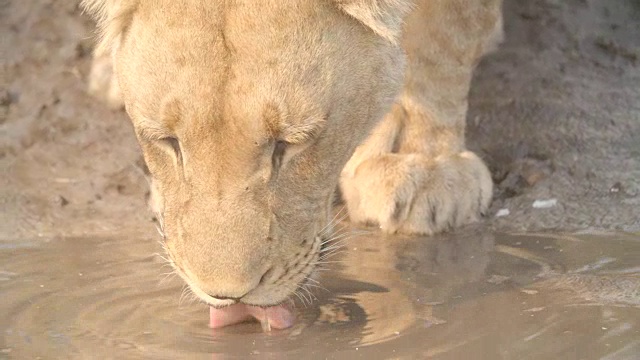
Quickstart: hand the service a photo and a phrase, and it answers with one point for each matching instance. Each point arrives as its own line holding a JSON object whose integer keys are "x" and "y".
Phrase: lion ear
{"x": 384, "y": 17}
{"x": 113, "y": 17}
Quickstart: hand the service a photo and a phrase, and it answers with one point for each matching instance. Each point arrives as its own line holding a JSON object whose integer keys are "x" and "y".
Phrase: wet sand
{"x": 555, "y": 113}
{"x": 470, "y": 295}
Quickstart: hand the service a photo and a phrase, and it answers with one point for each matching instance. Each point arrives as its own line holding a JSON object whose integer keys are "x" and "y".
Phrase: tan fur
{"x": 248, "y": 111}
{"x": 413, "y": 175}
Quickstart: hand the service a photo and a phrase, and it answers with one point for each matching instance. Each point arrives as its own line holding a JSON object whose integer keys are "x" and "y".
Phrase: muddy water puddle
{"x": 461, "y": 296}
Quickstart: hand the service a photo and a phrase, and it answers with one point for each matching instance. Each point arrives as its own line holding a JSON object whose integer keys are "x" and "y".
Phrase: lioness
{"x": 250, "y": 113}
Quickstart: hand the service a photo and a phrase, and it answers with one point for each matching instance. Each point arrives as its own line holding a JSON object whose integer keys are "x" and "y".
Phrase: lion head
{"x": 246, "y": 113}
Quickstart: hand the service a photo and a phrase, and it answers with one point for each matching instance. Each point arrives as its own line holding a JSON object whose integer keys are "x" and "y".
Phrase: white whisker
{"x": 338, "y": 245}
{"x": 311, "y": 296}
{"x": 160, "y": 256}
{"x": 167, "y": 276}
{"x": 319, "y": 287}
{"x": 300, "y": 287}
{"x": 193, "y": 298}
{"x": 167, "y": 265}
{"x": 333, "y": 221}
{"x": 295, "y": 292}
{"x": 328, "y": 262}
{"x": 332, "y": 248}
{"x": 160, "y": 231}
{"x": 343, "y": 229}
{"x": 312, "y": 279}
{"x": 185, "y": 288}
{"x": 331, "y": 254}
{"x": 348, "y": 234}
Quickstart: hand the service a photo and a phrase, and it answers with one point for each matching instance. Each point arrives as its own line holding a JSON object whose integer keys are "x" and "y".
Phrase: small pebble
{"x": 545, "y": 204}
{"x": 535, "y": 309}
{"x": 616, "y": 188}
{"x": 502, "y": 212}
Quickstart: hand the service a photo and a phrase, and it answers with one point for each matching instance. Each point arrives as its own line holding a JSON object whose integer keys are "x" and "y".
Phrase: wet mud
{"x": 464, "y": 295}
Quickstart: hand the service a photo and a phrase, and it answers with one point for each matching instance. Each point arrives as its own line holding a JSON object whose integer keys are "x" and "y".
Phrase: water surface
{"x": 469, "y": 295}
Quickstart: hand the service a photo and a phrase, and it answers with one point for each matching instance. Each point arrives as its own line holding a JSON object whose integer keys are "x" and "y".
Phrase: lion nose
{"x": 237, "y": 299}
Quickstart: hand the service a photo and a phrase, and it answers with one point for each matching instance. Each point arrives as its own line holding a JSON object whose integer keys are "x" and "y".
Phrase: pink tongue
{"x": 276, "y": 317}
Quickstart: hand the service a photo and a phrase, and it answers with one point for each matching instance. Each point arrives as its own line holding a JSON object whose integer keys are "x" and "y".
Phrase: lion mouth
{"x": 271, "y": 317}
{"x": 279, "y": 316}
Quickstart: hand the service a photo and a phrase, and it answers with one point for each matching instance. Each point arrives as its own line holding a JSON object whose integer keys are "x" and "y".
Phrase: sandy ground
{"x": 555, "y": 112}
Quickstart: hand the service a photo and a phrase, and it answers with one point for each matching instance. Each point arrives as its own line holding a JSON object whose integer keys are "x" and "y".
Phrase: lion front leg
{"x": 403, "y": 189}
{"x": 414, "y": 174}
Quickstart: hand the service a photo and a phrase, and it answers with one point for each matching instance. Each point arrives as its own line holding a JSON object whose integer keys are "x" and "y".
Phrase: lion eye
{"x": 174, "y": 144}
{"x": 278, "y": 153}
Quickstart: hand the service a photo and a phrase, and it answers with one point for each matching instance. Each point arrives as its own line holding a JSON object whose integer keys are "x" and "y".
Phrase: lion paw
{"x": 414, "y": 194}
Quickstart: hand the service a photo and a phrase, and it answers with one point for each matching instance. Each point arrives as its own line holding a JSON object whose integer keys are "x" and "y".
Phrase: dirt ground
{"x": 555, "y": 113}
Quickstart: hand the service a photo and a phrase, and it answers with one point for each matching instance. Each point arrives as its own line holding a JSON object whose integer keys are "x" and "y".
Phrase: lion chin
{"x": 250, "y": 114}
